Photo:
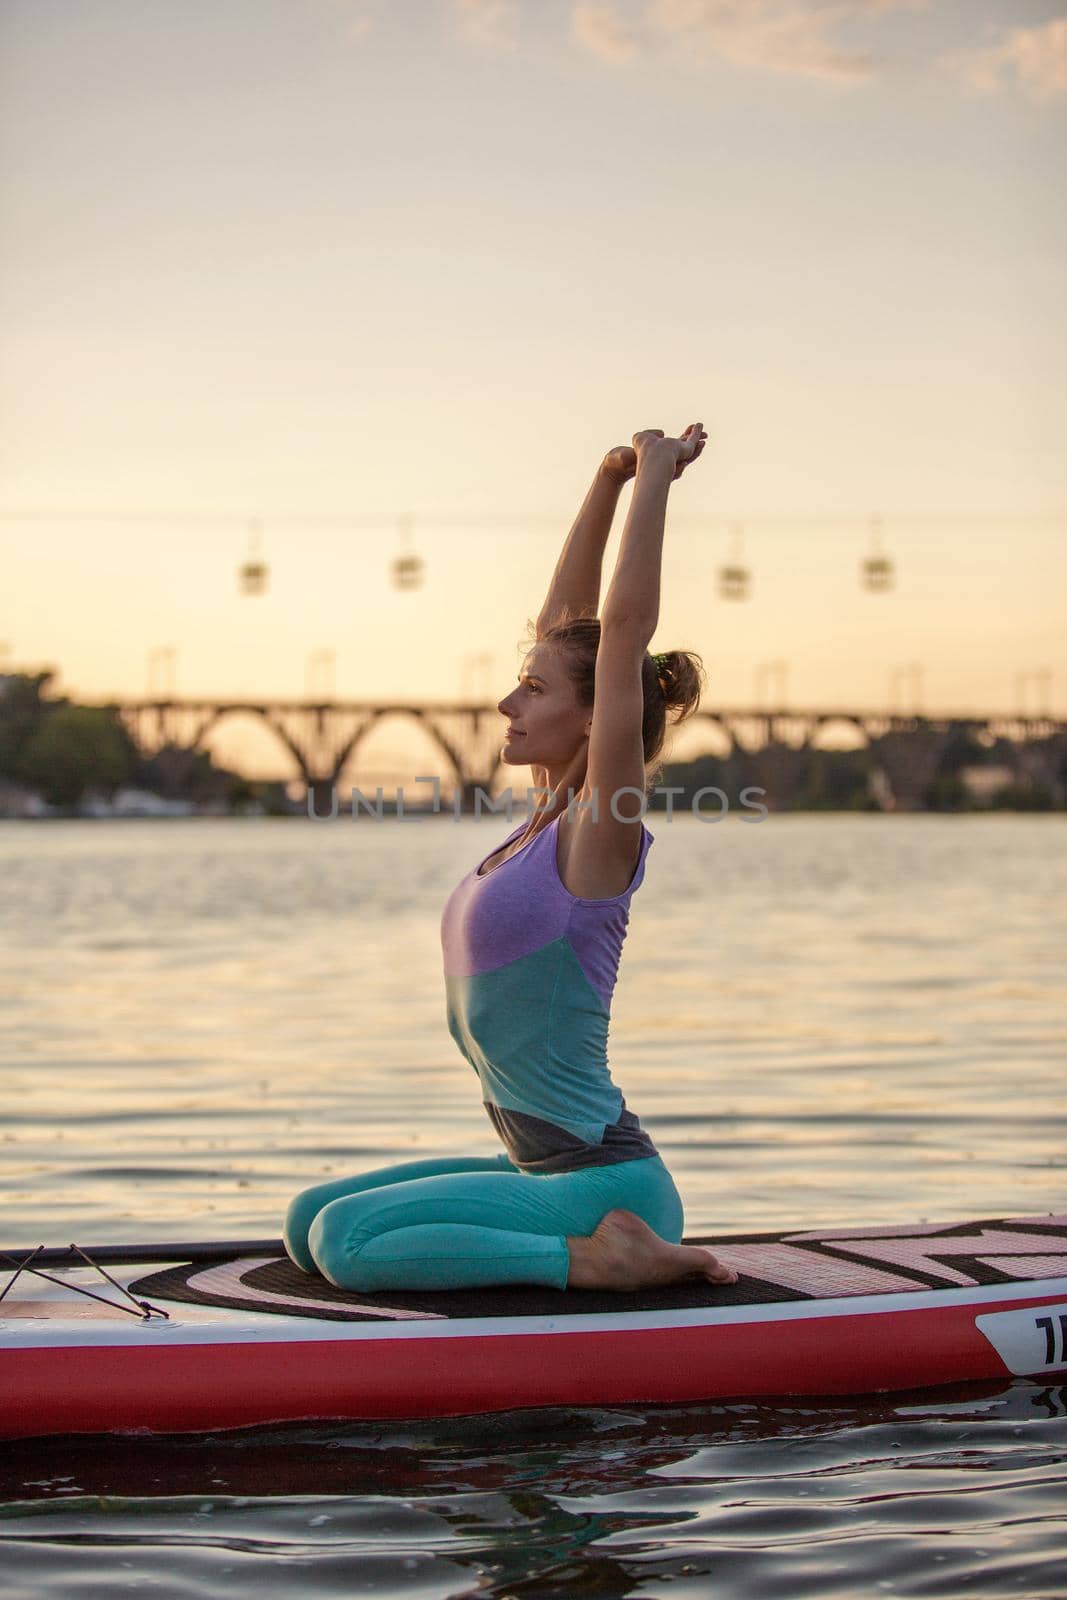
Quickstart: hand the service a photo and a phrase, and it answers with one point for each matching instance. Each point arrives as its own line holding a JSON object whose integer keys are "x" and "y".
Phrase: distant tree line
{"x": 839, "y": 780}
{"x": 64, "y": 751}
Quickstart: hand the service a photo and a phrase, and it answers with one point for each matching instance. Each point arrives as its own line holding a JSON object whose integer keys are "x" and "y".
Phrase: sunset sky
{"x": 328, "y": 263}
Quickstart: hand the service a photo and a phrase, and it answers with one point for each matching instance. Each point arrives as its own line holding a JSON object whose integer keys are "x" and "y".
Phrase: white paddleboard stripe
{"x": 925, "y": 1255}
{"x": 807, "y": 1271}
{"x": 903, "y": 1230}
{"x": 227, "y": 1279}
{"x": 1033, "y": 1267}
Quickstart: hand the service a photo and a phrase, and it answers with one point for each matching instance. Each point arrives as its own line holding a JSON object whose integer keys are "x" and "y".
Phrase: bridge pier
{"x": 777, "y": 768}
{"x": 470, "y": 798}
{"x": 908, "y": 761}
{"x": 322, "y": 799}
{"x": 1044, "y": 762}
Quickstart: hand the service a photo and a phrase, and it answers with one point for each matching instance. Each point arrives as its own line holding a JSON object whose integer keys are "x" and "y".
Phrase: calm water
{"x": 821, "y": 1020}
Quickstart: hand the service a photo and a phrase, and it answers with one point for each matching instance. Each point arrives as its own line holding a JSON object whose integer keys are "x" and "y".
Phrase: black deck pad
{"x": 773, "y": 1267}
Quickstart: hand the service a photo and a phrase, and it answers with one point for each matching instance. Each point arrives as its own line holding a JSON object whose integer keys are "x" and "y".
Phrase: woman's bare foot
{"x": 623, "y": 1252}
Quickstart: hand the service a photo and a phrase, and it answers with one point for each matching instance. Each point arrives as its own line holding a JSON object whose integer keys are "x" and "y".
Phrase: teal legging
{"x": 464, "y": 1222}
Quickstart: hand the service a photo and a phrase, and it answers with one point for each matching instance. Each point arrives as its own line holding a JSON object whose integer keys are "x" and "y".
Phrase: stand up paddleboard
{"x": 237, "y": 1335}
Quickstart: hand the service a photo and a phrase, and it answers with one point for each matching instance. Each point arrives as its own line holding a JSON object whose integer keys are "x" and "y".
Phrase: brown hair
{"x": 676, "y": 686}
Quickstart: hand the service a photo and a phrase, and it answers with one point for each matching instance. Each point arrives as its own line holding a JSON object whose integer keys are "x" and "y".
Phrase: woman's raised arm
{"x": 575, "y": 585}
{"x": 633, "y": 594}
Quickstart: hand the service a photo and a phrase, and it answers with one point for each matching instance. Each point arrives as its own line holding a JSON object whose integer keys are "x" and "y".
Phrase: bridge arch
{"x": 262, "y": 714}
{"x": 836, "y": 723}
{"x": 690, "y": 740}
{"x": 425, "y": 720}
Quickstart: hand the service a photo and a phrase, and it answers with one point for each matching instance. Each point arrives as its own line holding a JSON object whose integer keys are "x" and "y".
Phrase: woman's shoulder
{"x": 595, "y": 864}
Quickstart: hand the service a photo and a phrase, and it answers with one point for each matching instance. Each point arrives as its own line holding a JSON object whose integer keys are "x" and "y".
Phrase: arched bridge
{"x": 768, "y": 748}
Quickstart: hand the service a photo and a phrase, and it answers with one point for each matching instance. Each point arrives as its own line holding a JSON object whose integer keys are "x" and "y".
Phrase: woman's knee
{"x": 303, "y": 1210}
{"x": 306, "y": 1206}
{"x": 334, "y": 1244}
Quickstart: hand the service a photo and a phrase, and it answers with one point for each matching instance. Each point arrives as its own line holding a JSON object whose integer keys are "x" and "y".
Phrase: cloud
{"x": 775, "y": 35}
{"x": 799, "y": 38}
{"x": 1035, "y": 58}
{"x": 490, "y": 22}
{"x": 788, "y": 36}
{"x": 603, "y": 32}
{"x": 359, "y": 15}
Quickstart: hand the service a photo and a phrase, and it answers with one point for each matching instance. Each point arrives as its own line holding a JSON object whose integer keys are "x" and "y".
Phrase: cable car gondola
{"x": 407, "y": 568}
{"x": 876, "y": 569}
{"x": 734, "y": 577}
{"x": 253, "y": 571}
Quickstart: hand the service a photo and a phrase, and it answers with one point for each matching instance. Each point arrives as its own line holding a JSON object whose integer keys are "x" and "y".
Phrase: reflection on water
{"x": 821, "y": 1020}
{"x": 953, "y": 1491}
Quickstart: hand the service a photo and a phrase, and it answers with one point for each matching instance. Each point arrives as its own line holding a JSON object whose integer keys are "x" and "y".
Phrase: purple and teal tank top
{"x": 529, "y": 973}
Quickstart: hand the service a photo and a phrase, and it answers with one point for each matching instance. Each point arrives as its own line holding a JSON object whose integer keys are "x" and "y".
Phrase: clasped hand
{"x": 622, "y": 462}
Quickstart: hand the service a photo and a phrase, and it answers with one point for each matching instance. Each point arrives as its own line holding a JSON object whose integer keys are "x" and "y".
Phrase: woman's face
{"x": 547, "y": 723}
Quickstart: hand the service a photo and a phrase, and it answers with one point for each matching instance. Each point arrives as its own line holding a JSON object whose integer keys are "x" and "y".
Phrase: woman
{"x": 581, "y": 1197}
